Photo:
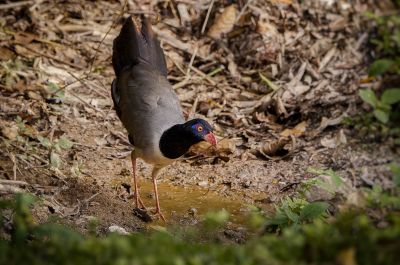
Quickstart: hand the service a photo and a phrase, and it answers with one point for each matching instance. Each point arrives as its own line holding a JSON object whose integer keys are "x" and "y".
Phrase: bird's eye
{"x": 200, "y": 128}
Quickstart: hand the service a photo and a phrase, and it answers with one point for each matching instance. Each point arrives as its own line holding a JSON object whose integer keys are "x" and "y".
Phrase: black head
{"x": 177, "y": 140}
{"x": 201, "y": 130}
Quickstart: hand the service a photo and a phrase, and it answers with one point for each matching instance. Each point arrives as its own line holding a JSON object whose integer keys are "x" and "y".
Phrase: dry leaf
{"x": 357, "y": 199}
{"x": 272, "y": 39}
{"x": 21, "y": 50}
{"x": 224, "y": 22}
{"x": 200, "y": 148}
{"x": 326, "y": 122}
{"x": 285, "y": 2}
{"x": 266, "y": 29}
{"x": 10, "y": 133}
{"x": 6, "y": 54}
{"x": 173, "y": 58}
{"x": 280, "y": 107}
{"x": 225, "y": 146}
{"x": 272, "y": 147}
{"x": 329, "y": 142}
{"x": 24, "y": 37}
{"x": 261, "y": 117}
{"x": 327, "y": 58}
{"x": 183, "y": 13}
{"x": 232, "y": 67}
{"x": 338, "y": 139}
{"x": 34, "y": 95}
{"x": 297, "y": 131}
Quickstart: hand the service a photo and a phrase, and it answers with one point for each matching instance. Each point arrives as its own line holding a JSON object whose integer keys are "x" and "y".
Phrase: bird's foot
{"x": 139, "y": 203}
{"x": 146, "y": 216}
{"x": 159, "y": 214}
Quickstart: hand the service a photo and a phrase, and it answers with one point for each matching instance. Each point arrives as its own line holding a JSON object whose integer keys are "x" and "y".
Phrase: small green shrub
{"x": 387, "y": 66}
{"x": 383, "y": 106}
{"x": 297, "y": 210}
{"x": 350, "y": 238}
{"x": 293, "y": 212}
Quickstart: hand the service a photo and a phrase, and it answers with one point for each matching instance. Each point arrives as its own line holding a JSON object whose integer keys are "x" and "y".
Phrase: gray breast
{"x": 148, "y": 107}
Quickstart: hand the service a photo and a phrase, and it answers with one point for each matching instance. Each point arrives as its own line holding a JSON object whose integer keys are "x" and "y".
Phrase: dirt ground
{"x": 275, "y": 78}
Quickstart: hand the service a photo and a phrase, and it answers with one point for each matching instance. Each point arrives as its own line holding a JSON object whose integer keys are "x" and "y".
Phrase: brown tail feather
{"x": 137, "y": 43}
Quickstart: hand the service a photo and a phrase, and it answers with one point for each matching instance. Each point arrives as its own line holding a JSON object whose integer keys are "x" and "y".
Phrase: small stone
{"x": 357, "y": 199}
{"x": 245, "y": 184}
{"x": 192, "y": 211}
{"x": 203, "y": 184}
{"x": 117, "y": 229}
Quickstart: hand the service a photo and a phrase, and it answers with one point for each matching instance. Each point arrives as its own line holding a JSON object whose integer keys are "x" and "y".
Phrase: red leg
{"x": 138, "y": 200}
{"x": 158, "y": 209}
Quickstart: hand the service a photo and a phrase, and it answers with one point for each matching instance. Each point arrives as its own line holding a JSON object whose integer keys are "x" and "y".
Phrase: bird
{"x": 147, "y": 105}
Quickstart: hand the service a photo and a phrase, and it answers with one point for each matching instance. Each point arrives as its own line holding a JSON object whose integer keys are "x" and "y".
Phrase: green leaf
{"x": 44, "y": 141}
{"x": 216, "y": 219}
{"x": 313, "y": 211}
{"x": 64, "y": 143}
{"x": 377, "y": 189}
{"x": 368, "y": 96}
{"x": 54, "y": 89}
{"x": 370, "y": 15}
{"x": 381, "y": 115}
{"x": 380, "y": 67}
{"x": 330, "y": 187}
{"x": 268, "y": 82}
{"x": 279, "y": 219}
{"x": 55, "y": 160}
{"x": 391, "y": 96}
{"x": 336, "y": 179}
{"x": 396, "y": 172}
{"x": 294, "y": 217}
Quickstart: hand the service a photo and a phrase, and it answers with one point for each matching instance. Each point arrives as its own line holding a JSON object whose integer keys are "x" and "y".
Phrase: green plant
{"x": 377, "y": 198}
{"x": 55, "y": 147}
{"x": 350, "y": 238}
{"x": 387, "y": 41}
{"x": 383, "y": 106}
{"x": 386, "y": 65}
{"x": 213, "y": 220}
{"x": 395, "y": 168}
{"x": 296, "y": 211}
{"x": 25, "y": 136}
{"x": 56, "y": 91}
{"x": 9, "y": 71}
{"x": 330, "y": 186}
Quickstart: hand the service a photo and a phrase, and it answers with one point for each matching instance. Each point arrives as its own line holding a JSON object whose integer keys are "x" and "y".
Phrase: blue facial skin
{"x": 177, "y": 140}
{"x": 200, "y": 128}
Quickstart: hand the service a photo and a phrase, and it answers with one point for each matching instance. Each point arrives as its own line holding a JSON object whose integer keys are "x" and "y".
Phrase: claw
{"x": 158, "y": 212}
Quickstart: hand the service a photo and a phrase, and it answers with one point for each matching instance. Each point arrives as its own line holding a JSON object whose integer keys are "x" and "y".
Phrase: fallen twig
{"x": 13, "y": 182}
{"x": 102, "y": 40}
{"x": 15, "y": 5}
{"x": 52, "y": 57}
{"x": 7, "y": 189}
{"x": 203, "y": 28}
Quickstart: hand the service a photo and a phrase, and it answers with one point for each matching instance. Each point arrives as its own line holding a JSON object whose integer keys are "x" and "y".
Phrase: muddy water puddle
{"x": 178, "y": 203}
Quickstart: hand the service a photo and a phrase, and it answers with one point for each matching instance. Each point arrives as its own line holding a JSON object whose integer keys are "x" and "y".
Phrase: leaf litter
{"x": 275, "y": 78}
